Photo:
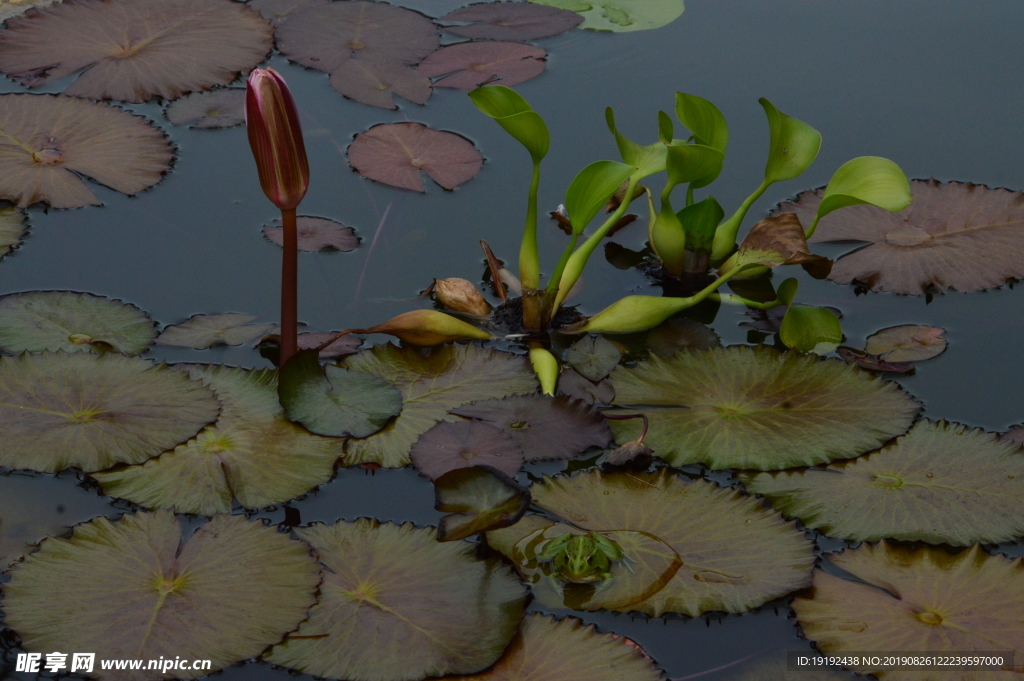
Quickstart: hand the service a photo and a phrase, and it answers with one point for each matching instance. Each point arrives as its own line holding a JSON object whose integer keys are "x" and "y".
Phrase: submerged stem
{"x": 289, "y": 287}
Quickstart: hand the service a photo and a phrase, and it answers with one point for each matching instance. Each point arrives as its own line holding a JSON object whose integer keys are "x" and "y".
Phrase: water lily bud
{"x": 460, "y": 295}
{"x": 275, "y": 136}
{"x": 546, "y": 367}
{"x": 633, "y": 314}
{"x": 428, "y": 327}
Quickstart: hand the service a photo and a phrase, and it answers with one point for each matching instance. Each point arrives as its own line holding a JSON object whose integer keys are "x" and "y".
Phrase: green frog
{"x": 581, "y": 558}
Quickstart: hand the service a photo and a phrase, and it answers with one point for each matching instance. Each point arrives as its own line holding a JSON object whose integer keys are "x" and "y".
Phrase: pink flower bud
{"x": 275, "y": 136}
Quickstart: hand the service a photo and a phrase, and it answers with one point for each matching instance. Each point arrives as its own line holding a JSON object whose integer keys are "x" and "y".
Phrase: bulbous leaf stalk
{"x": 275, "y": 135}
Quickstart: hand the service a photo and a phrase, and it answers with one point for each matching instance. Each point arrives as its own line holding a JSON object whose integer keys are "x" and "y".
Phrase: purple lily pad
{"x": 221, "y": 108}
{"x": 346, "y": 345}
{"x": 873, "y": 362}
{"x": 544, "y": 427}
{"x": 575, "y": 386}
{"x": 317, "y": 234}
{"x": 467, "y": 65}
{"x": 1015, "y": 435}
{"x": 448, "y": 446}
{"x": 395, "y": 154}
{"x": 511, "y": 21}
{"x": 376, "y": 82}
{"x": 276, "y": 11}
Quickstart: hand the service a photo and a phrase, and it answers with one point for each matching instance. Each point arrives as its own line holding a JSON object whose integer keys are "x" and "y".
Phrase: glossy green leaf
{"x": 667, "y": 238}
{"x": 665, "y": 128}
{"x": 869, "y": 179}
{"x": 622, "y": 15}
{"x": 699, "y": 222}
{"x": 787, "y": 291}
{"x": 647, "y": 160}
{"x": 333, "y": 400}
{"x": 811, "y": 329}
{"x": 704, "y": 120}
{"x": 512, "y": 112}
{"x": 591, "y": 189}
{"x": 757, "y": 408}
{"x": 794, "y": 145}
{"x": 942, "y": 483}
{"x": 695, "y": 163}
{"x": 477, "y": 499}
{"x": 631, "y": 314}
{"x": 135, "y": 589}
{"x": 387, "y": 605}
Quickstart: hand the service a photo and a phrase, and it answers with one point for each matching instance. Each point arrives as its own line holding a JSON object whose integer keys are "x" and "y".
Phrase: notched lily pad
{"x": 134, "y": 50}
{"x": 941, "y": 483}
{"x": 134, "y": 587}
{"x": 203, "y": 331}
{"x": 913, "y": 600}
{"x": 47, "y": 141}
{"x": 869, "y": 362}
{"x": 907, "y": 343}
{"x": 450, "y": 446}
{"x": 63, "y": 320}
{"x": 376, "y": 82}
{"x": 395, "y": 153}
{"x": 467, "y": 65}
{"x": 276, "y": 11}
{"x": 343, "y": 345}
{"x": 59, "y": 410}
{"x": 955, "y": 235}
{"x": 338, "y": 403}
{"x": 378, "y": 617}
{"x": 574, "y": 386}
{"x": 477, "y": 499}
{"x": 544, "y": 427}
{"x": 316, "y": 234}
{"x": 222, "y": 108}
{"x": 675, "y": 335}
{"x": 511, "y": 21}
{"x": 743, "y": 407}
{"x": 1014, "y": 435}
{"x": 622, "y": 15}
{"x": 13, "y": 227}
{"x": 593, "y": 357}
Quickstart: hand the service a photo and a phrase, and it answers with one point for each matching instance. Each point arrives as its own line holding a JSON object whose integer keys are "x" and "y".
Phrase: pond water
{"x": 936, "y": 86}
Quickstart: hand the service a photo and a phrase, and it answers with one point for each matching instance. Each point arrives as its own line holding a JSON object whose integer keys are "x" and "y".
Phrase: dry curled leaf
{"x": 396, "y": 153}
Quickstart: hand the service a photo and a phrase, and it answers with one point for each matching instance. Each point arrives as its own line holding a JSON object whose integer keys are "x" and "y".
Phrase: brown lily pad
{"x": 47, "y": 141}
{"x": 873, "y": 363}
{"x": 134, "y": 50}
{"x": 325, "y": 37}
{"x": 317, "y": 234}
{"x": 376, "y": 82}
{"x": 276, "y": 11}
{"x": 511, "y": 21}
{"x": 907, "y": 343}
{"x": 544, "y": 427}
{"x": 955, "y": 235}
{"x": 467, "y": 65}
{"x": 395, "y": 154}
{"x": 449, "y": 446}
{"x": 221, "y": 108}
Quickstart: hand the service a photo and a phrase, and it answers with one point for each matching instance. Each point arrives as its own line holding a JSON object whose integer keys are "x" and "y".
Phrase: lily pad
{"x": 325, "y": 37}
{"x": 593, "y": 357}
{"x": 134, "y": 50}
{"x": 511, "y": 21}
{"x": 134, "y": 588}
{"x": 12, "y": 228}
{"x": 736, "y": 554}
{"x": 252, "y": 454}
{"x": 941, "y": 483}
{"x": 59, "y": 410}
{"x": 276, "y": 11}
{"x": 451, "y": 446}
{"x": 378, "y": 618}
{"x": 316, "y": 234}
{"x": 470, "y": 64}
{"x": 916, "y": 600}
{"x": 907, "y": 343}
{"x": 344, "y": 345}
{"x": 477, "y": 499}
{"x": 872, "y": 363}
{"x": 576, "y": 387}
{"x": 549, "y": 649}
{"x": 48, "y": 141}
{"x": 675, "y": 335}
{"x": 62, "y": 320}
{"x": 222, "y": 108}
{"x": 12, "y": 8}
{"x": 1014, "y": 435}
{"x": 341, "y": 403}
{"x": 743, "y": 407}
{"x": 622, "y": 15}
{"x": 376, "y": 82}
{"x": 203, "y": 331}
{"x": 431, "y": 385}
{"x": 544, "y": 427}
{"x": 395, "y": 153}
{"x": 954, "y": 235}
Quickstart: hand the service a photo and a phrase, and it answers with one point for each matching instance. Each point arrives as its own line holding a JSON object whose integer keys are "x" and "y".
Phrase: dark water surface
{"x": 936, "y": 86}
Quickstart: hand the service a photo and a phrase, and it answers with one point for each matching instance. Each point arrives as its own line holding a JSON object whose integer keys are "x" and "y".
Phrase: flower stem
{"x": 289, "y": 287}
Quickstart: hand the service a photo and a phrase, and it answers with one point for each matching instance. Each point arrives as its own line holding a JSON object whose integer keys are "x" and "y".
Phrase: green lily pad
{"x": 549, "y": 649}
{"x": 380, "y": 618}
{"x": 203, "y": 331}
{"x": 918, "y": 600}
{"x": 431, "y": 386}
{"x": 743, "y": 407}
{"x": 450, "y": 446}
{"x": 12, "y": 228}
{"x": 341, "y": 403}
{"x": 477, "y": 499}
{"x": 621, "y": 15}
{"x": 939, "y": 483}
{"x": 252, "y": 454}
{"x": 543, "y": 427}
{"x": 593, "y": 357}
{"x": 736, "y": 554}
{"x": 133, "y": 589}
{"x": 59, "y": 410}
{"x": 907, "y": 343}
{"x": 62, "y": 320}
